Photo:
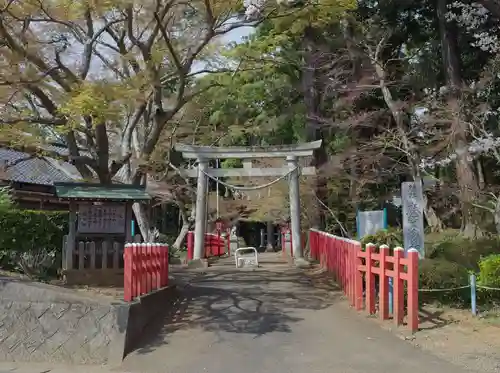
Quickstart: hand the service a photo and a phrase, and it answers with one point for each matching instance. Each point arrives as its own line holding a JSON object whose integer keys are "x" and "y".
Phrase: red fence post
{"x": 398, "y": 287}
{"x": 135, "y": 271}
{"x": 343, "y": 264}
{"x": 159, "y": 267}
{"x": 338, "y": 260}
{"x": 370, "y": 279}
{"x": 219, "y": 243}
{"x": 143, "y": 268}
{"x": 190, "y": 245}
{"x": 154, "y": 266}
{"x": 334, "y": 258}
{"x": 164, "y": 265}
{"x": 351, "y": 275}
{"x": 347, "y": 262}
{"x": 328, "y": 255}
{"x": 149, "y": 272}
{"x": 127, "y": 273}
{"x": 413, "y": 289}
{"x": 383, "y": 291}
{"x": 311, "y": 244}
{"x": 358, "y": 280}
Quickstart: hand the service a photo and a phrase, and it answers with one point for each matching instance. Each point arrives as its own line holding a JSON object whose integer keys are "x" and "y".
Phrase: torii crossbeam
{"x": 205, "y": 153}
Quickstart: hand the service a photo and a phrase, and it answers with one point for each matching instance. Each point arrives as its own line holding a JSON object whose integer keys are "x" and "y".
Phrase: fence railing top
{"x": 336, "y": 237}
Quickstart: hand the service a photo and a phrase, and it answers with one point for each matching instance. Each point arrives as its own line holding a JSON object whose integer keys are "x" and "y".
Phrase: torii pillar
{"x": 205, "y": 153}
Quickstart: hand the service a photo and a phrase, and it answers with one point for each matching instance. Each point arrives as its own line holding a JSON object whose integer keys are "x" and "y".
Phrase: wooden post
{"x": 127, "y": 273}
{"x": 149, "y": 267}
{"x": 135, "y": 270}
{"x": 190, "y": 245}
{"x": 370, "y": 279}
{"x": 383, "y": 284}
{"x": 398, "y": 287}
{"x": 71, "y": 241}
{"x": 358, "y": 279}
{"x": 413, "y": 289}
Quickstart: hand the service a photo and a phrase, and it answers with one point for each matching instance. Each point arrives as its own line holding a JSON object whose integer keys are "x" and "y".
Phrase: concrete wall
{"x": 146, "y": 310}
{"x": 44, "y": 323}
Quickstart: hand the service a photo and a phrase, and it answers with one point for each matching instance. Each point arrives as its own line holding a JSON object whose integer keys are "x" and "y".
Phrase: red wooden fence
{"x": 145, "y": 269}
{"x": 357, "y": 272}
{"x": 215, "y": 245}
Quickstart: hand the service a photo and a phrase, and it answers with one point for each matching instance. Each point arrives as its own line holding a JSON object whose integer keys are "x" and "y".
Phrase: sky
{"x": 238, "y": 34}
{"x": 235, "y": 36}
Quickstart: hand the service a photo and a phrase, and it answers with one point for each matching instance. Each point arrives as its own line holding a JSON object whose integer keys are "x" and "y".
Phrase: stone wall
{"x": 44, "y": 323}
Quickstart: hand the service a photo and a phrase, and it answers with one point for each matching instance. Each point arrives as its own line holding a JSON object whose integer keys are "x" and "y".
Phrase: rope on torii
{"x": 237, "y": 190}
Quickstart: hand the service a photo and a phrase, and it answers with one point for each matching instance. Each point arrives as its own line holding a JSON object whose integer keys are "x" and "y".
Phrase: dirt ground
{"x": 454, "y": 335}
{"x": 458, "y": 336}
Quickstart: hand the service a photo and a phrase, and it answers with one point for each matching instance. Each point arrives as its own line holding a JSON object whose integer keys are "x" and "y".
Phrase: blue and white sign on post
{"x": 370, "y": 222}
{"x": 413, "y": 216}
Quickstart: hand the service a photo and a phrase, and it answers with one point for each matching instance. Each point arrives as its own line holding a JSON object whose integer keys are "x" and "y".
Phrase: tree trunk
{"x": 141, "y": 210}
{"x": 141, "y": 213}
{"x": 480, "y": 174}
{"x": 466, "y": 178}
{"x": 433, "y": 221}
{"x": 186, "y": 224}
{"x": 313, "y": 132}
{"x": 497, "y": 216}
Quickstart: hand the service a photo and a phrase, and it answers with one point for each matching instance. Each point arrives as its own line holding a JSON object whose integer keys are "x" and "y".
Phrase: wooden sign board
{"x": 105, "y": 218}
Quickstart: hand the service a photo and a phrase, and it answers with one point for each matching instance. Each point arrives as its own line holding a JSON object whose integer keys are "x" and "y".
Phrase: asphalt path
{"x": 270, "y": 320}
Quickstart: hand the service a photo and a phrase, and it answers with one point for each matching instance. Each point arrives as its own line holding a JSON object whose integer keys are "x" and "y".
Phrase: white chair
{"x": 244, "y": 259}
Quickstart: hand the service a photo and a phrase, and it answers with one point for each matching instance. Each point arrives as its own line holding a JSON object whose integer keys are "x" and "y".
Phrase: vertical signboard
{"x": 413, "y": 216}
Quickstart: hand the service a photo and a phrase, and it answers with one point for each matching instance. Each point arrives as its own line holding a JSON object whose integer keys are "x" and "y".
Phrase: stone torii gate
{"x": 203, "y": 154}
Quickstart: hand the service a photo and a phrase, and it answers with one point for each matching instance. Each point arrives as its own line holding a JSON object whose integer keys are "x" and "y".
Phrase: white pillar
{"x": 270, "y": 236}
{"x": 201, "y": 210}
{"x": 295, "y": 206}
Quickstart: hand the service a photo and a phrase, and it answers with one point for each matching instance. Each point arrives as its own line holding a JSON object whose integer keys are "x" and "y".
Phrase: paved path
{"x": 271, "y": 320}
{"x": 51, "y": 368}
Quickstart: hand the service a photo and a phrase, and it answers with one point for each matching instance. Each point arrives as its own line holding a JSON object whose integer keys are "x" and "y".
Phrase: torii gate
{"x": 205, "y": 153}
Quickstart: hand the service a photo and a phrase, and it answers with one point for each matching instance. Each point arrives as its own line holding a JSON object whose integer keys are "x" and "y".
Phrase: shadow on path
{"x": 247, "y": 302}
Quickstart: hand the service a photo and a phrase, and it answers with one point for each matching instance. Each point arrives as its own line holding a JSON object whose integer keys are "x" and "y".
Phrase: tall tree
{"x": 108, "y": 77}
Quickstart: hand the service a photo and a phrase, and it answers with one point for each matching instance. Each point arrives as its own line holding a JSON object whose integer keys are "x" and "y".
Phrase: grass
{"x": 432, "y": 238}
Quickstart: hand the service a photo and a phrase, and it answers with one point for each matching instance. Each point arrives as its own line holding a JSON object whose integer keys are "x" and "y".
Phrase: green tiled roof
{"x": 101, "y": 192}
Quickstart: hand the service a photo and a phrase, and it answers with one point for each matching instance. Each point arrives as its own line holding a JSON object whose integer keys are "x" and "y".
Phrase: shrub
{"x": 391, "y": 237}
{"x": 489, "y": 275}
{"x": 31, "y": 241}
{"x": 169, "y": 240}
{"x": 465, "y": 251}
{"x": 441, "y": 274}
{"x": 489, "y": 271}
{"x": 6, "y": 201}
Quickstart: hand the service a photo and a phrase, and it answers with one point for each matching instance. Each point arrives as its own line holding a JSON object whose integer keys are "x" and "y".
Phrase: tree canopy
{"x": 398, "y": 91}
